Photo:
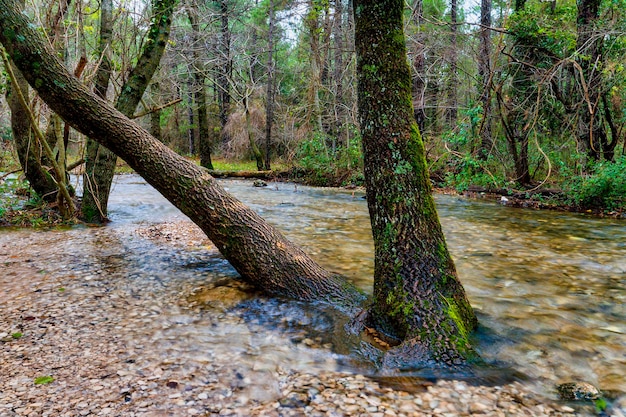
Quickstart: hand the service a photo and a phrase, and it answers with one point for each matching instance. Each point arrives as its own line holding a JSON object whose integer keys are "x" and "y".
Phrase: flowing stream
{"x": 549, "y": 287}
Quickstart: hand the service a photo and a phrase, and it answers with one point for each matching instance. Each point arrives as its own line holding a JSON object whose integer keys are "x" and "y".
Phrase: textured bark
{"x": 419, "y": 69}
{"x": 28, "y": 151}
{"x": 95, "y": 162}
{"x": 155, "y": 114}
{"x": 204, "y": 138}
{"x": 418, "y": 299}
{"x": 269, "y": 99}
{"x": 255, "y": 249}
{"x": 484, "y": 74}
{"x": 453, "y": 82}
{"x": 101, "y": 161}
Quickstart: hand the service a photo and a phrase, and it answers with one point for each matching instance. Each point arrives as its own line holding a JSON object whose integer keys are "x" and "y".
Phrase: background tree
{"x": 100, "y": 162}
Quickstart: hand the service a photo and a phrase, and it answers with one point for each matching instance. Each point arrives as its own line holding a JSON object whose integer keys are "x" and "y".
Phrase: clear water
{"x": 549, "y": 287}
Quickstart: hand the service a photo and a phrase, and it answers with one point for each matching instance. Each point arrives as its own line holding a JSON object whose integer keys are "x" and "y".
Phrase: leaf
{"x": 42, "y": 380}
{"x": 17, "y": 335}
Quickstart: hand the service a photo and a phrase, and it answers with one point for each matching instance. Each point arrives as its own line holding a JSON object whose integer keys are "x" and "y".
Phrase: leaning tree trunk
{"x": 258, "y": 251}
{"x": 419, "y": 301}
{"x": 28, "y": 150}
{"x": 100, "y": 161}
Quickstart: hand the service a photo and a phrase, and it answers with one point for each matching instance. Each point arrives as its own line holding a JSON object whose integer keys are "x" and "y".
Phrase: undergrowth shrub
{"x": 604, "y": 188}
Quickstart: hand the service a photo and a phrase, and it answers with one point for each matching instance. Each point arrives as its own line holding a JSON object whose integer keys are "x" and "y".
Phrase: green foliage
{"x": 42, "y": 380}
{"x": 17, "y": 335}
{"x": 469, "y": 170}
{"x": 605, "y": 188}
{"x": 345, "y": 163}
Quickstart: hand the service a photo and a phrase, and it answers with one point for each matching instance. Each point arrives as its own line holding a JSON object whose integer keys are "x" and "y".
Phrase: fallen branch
{"x": 154, "y": 109}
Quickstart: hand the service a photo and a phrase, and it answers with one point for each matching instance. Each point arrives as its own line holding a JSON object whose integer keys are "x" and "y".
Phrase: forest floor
{"x": 97, "y": 346}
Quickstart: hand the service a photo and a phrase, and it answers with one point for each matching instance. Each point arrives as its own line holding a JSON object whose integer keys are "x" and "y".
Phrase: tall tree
{"x": 199, "y": 77}
{"x": 92, "y": 196}
{"x": 100, "y": 161}
{"x": 484, "y": 77}
{"x": 419, "y": 65}
{"x": 453, "y": 81}
{"x": 419, "y": 300}
{"x": 226, "y": 63}
{"x": 271, "y": 80}
{"x": 516, "y": 116}
{"x": 592, "y": 133}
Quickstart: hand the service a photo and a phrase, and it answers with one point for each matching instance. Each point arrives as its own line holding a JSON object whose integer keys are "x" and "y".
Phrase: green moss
{"x": 454, "y": 312}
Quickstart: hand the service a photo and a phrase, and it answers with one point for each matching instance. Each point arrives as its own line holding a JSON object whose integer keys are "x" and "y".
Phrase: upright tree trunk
{"x": 204, "y": 137}
{"x": 155, "y": 115}
{"x": 453, "y": 82}
{"x": 101, "y": 161}
{"x": 225, "y": 69}
{"x": 484, "y": 73}
{"x": 419, "y": 68}
{"x": 419, "y": 300}
{"x": 315, "y": 58}
{"x": 96, "y": 155}
{"x": 338, "y": 75}
{"x": 516, "y": 115}
{"x": 191, "y": 118}
{"x": 269, "y": 105}
{"x": 591, "y": 132}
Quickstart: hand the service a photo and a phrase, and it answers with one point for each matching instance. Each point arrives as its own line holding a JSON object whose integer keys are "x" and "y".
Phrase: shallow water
{"x": 548, "y": 287}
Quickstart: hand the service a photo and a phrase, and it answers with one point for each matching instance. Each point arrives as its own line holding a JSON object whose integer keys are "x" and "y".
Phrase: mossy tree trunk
{"x": 419, "y": 301}
{"x": 100, "y": 162}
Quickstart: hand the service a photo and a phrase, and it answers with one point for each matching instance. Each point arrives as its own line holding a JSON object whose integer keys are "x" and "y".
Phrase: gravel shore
{"x": 135, "y": 347}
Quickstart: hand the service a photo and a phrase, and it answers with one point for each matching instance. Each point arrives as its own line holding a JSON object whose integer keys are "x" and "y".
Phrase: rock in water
{"x": 578, "y": 391}
{"x": 259, "y": 183}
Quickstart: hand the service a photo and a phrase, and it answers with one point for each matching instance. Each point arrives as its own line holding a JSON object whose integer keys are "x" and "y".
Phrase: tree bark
{"x": 419, "y": 68}
{"x": 484, "y": 74}
{"x": 28, "y": 152}
{"x": 204, "y": 138}
{"x": 269, "y": 99}
{"x": 100, "y": 161}
{"x": 95, "y": 162}
{"x": 225, "y": 70}
{"x": 453, "y": 82}
{"x": 419, "y": 300}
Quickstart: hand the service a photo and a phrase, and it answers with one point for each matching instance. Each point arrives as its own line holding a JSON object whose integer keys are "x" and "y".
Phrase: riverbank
{"x": 120, "y": 343}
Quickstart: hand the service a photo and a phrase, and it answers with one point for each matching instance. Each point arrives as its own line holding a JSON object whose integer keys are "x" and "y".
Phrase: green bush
{"x": 327, "y": 167}
{"x": 605, "y": 188}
